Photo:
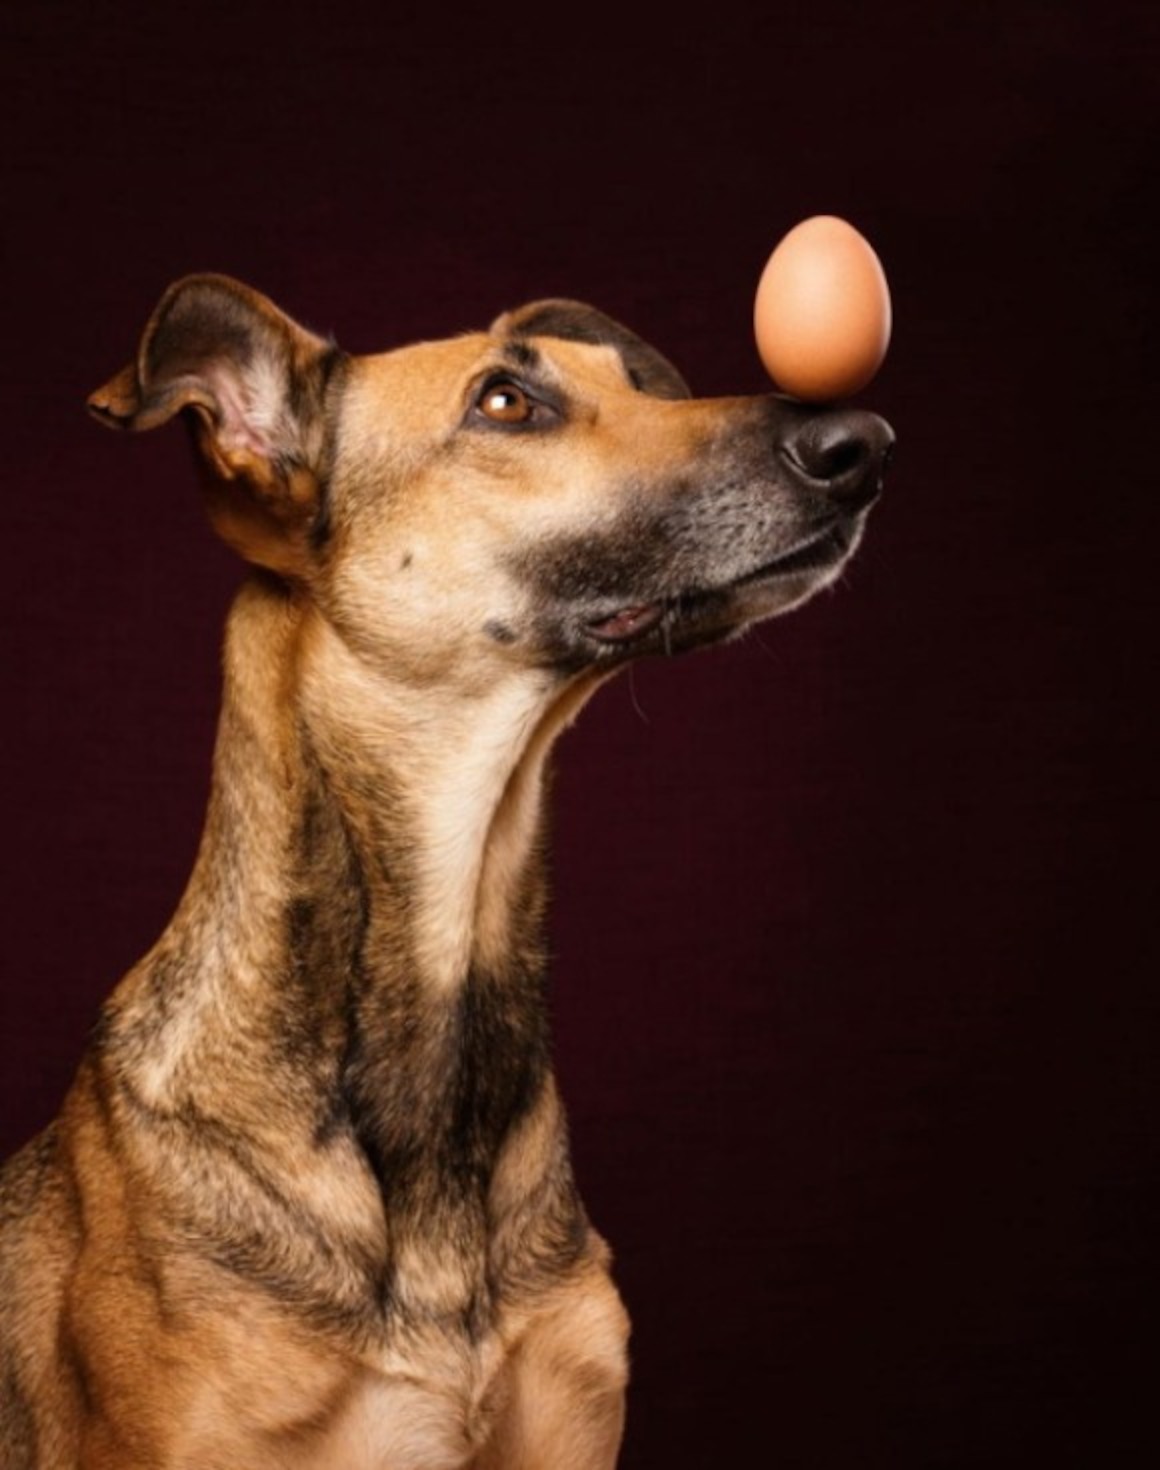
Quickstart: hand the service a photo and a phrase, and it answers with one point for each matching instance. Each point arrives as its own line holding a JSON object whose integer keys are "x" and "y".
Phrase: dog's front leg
{"x": 563, "y": 1403}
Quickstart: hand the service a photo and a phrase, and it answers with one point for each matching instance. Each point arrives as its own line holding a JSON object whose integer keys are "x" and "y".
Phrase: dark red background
{"x": 855, "y": 973}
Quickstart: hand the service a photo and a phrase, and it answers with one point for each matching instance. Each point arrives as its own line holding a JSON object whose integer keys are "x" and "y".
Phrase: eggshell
{"x": 822, "y": 314}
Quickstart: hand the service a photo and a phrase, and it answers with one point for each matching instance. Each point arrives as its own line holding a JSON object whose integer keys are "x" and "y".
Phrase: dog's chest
{"x": 394, "y": 1424}
{"x": 428, "y": 1413}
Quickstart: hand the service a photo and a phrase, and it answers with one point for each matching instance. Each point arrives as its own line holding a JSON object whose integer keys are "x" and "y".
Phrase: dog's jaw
{"x": 774, "y": 586}
{"x": 688, "y": 597}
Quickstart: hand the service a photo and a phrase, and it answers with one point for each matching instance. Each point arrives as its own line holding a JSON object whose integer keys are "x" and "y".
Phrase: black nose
{"x": 845, "y": 451}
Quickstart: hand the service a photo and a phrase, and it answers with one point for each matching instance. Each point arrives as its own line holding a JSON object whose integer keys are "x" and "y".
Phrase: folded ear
{"x": 574, "y": 322}
{"x": 256, "y": 384}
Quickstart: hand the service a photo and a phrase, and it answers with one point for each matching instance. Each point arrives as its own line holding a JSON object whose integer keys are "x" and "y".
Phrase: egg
{"x": 822, "y": 313}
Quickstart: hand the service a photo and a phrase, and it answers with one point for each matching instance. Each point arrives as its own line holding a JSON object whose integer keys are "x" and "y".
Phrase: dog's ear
{"x": 255, "y": 384}
{"x": 575, "y": 322}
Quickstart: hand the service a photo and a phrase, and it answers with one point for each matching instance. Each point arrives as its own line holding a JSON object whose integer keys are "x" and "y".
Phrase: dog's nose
{"x": 845, "y": 451}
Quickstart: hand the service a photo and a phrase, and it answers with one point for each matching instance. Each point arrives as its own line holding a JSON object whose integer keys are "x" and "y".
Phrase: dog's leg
{"x": 563, "y": 1407}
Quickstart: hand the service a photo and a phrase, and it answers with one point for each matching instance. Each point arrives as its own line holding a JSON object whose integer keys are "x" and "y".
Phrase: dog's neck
{"x": 361, "y": 933}
{"x": 442, "y": 793}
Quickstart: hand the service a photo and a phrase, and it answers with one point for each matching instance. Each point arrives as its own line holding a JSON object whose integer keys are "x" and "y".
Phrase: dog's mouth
{"x": 629, "y": 622}
{"x": 633, "y": 621}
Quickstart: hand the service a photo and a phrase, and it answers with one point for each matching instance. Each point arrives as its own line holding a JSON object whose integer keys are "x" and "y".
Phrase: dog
{"x": 308, "y": 1204}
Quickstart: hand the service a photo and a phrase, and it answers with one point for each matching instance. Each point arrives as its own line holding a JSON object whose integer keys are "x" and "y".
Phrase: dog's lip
{"x": 628, "y": 622}
{"x": 634, "y": 620}
{"x": 818, "y": 550}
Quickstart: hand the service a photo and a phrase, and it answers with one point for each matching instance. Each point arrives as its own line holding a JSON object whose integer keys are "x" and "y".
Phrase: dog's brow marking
{"x": 522, "y": 355}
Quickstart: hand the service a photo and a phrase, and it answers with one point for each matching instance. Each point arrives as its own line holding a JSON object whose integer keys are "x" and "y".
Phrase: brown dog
{"x": 309, "y": 1202}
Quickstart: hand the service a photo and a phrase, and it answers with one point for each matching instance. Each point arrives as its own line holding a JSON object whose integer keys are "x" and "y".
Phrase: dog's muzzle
{"x": 768, "y": 511}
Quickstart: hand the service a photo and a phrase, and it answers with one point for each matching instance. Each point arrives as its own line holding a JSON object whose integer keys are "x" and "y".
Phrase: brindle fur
{"x": 309, "y": 1201}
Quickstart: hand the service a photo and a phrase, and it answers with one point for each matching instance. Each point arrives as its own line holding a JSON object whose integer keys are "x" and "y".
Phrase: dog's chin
{"x": 700, "y": 615}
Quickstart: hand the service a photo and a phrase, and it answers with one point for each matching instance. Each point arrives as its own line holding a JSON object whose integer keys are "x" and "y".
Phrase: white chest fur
{"x": 394, "y": 1424}
{"x": 296, "y": 1411}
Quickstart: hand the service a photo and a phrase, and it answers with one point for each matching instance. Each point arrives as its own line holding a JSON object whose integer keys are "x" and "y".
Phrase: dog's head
{"x": 546, "y": 494}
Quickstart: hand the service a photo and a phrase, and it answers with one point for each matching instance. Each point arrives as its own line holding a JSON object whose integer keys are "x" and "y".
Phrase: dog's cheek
{"x": 423, "y": 611}
{"x": 525, "y": 631}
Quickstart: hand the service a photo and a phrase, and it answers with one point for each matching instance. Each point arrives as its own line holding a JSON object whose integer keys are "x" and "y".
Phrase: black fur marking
{"x": 572, "y": 321}
{"x": 332, "y": 373}
{"x": 23, "y": 1175}
{"x": 522, "y": 355}
{"x": 17, "y": 1427}
{"x": 434, "y": 1087}
{"x": 499, "y": 631}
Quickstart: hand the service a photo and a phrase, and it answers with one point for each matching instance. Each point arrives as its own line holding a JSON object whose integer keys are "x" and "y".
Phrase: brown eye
{"x": 504, "y": 403}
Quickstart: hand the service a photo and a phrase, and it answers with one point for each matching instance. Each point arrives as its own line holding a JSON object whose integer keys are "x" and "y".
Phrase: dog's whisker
{"x": 636, "y": 704}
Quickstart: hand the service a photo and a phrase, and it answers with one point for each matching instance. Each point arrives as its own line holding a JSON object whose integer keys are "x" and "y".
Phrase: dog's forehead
{"x": 411, "y": 375}
{"x": 423, "y": 384}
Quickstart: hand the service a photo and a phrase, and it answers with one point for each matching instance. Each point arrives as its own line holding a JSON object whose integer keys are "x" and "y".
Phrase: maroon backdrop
{"x": 853, "y": 980}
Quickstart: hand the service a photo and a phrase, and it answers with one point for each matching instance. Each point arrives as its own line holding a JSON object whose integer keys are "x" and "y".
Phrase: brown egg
{"x": 822, "y": 314}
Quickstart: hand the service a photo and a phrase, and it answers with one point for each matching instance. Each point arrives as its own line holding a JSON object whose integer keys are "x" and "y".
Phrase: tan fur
{"x": 308, "y": 1205}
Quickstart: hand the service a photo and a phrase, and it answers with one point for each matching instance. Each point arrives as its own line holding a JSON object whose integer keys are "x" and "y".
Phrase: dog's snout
{"x": 845, "y": 451}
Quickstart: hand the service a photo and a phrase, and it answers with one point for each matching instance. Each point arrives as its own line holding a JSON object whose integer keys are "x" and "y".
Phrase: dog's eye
{"x": 506, "y": 403}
